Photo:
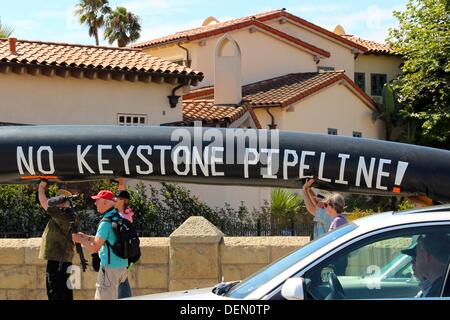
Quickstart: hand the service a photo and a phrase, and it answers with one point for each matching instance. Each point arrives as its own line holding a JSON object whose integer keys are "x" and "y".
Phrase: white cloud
{"x": 152, "y": 7}
{"x": 135, "y": 6}
{"x": 22, "y": 27}
{"x": 74, "y": 37}
{"x": 54, "y": 14}
{"x": 319, "y": 8}
{"x": 165, "y": 29}
{"x": 157, "y": 30}
{"x": 372, "y": 23}
{"x": 71, "y": 20}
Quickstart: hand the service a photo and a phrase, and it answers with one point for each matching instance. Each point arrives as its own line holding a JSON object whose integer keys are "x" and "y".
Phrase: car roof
{"x": 393, "y": 218}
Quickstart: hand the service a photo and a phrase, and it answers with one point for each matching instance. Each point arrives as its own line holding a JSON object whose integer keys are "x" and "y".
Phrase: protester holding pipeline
{"x": 56, "y": 244}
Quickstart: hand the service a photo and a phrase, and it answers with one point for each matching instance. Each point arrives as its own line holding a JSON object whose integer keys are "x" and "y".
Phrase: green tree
{"x": 389, "y": 112}
{"x": 5, "y": 30}
{"x": 122, "y": 26}
{"x": 92, "y": 13}
{"x": 423, "y": 40}
{"x": 20, "y": 212}
{"x": 285, "y": 208}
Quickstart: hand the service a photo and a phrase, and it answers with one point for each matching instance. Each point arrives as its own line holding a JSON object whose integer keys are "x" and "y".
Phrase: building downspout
{"x": 272, "y": 125}
{"x": 173, "y": 98}
{"x": 188, "y": 60}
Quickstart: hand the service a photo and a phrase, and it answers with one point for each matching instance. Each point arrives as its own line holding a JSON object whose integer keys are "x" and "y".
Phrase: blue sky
{"x": 54, "y": 20}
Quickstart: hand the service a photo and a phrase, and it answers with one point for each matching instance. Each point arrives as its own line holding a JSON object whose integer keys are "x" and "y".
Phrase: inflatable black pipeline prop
{"x": 246, "y": 157}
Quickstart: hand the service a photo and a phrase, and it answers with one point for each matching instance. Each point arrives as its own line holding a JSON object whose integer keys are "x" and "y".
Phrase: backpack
{"x": 127, "y": 243}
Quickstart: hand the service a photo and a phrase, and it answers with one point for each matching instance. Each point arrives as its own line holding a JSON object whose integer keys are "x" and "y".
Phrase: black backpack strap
{"x": 108, "y": 245}
{"x": 109, "y": 251}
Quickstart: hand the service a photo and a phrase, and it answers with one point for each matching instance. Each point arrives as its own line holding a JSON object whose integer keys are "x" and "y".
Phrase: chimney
{"x": 227, "y": 72}
{"x": 12, "y": 45}
{"x": 339, "y": 30}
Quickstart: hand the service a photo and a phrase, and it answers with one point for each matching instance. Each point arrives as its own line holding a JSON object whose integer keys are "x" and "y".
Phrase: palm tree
{"x": 5, "y": 30}
{"x": 285, "y": 206}
{"x": 122, "y": 26}
{"x": 92, "y": 13}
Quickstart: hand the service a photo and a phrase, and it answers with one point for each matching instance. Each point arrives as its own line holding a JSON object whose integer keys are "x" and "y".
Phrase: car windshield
{"x": 256, "y": 280}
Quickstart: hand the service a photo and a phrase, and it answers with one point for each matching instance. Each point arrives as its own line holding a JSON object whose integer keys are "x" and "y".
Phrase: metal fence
{"x": 236, "y": 229}
{"x": 18, "y": 235}
{"x": 264, "y": 229}
{"x": 158, "y": 230}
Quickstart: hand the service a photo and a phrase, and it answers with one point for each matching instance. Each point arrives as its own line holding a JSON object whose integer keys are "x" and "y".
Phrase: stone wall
{"x": 195, "y": 255}
{"x": 22, "y": 273}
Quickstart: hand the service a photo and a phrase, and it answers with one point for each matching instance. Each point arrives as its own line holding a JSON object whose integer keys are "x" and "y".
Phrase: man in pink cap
{"x": 113, "y": 269}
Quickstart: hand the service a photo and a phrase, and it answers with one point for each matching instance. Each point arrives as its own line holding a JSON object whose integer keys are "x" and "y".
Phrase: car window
{"x": 404, "y": 272}
{"x": 395, "y": 264}
{"x": 398, "y": 267}
{"x": 255, "y": 281}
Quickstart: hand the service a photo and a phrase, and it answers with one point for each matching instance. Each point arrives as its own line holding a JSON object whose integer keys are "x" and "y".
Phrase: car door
{"x": 356, "y": 271}
{"x": 446, "y": 289}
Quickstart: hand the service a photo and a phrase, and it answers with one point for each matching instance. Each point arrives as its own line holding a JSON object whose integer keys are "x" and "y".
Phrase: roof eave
{"x": 159, "y": 44}
{"x": 317, "y": 28}
{"x": 311, "y": 49}
{"x": 305, "y": 46}
{"x": 382, "y": 53}
{"x": 266, "y": 105}
{"x": 369, "y": 102}
{"x": 93, "y": 73}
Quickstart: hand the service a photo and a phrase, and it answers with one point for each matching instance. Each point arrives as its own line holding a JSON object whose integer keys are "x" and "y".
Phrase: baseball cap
{"x": 123, "y": 194}
{"x": 63, "y": 193}
{"x": 104, "y": 194}
{"x": 336, "y": 200}
{"x": 438, "y": 244}
{"x": 411, "y": 251}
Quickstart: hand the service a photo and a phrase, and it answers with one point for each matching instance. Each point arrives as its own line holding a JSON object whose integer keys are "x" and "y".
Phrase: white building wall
{"x": 341, "y": 57}
{"x": 55, "y": 100}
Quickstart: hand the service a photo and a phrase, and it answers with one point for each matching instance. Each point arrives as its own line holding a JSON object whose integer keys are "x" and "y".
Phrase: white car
{"x": 360, "y": 260}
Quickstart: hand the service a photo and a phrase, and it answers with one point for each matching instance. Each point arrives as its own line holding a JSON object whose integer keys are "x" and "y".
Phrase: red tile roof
{"x": 203, "y": 92}
{"x": 372, "y": 46}
{"x": 223, "y": 27}
{"x": 288, "y": 89}
{"x": 204, "y": 110}
{"x": 37, "y": 53}
{"x": 185, "y": 35}
{"x": 316, "y": 28}
{"x": 260, "y": 25}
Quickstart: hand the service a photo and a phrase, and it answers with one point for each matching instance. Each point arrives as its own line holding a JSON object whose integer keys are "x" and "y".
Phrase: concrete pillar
{"x": 194, "y": 257}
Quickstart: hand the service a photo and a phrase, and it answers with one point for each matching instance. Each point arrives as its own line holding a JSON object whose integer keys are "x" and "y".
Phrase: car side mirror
{"x": 293, "y": 289}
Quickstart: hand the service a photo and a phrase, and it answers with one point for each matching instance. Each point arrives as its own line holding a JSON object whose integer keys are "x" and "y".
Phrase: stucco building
{"x": 380, "y": 64}
{"x": 270, "y": 70}
{"x": 58, "y": 83}
{"x": 290, "y": 73}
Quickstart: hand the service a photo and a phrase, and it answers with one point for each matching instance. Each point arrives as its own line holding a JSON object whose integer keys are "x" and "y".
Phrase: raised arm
{"x": 43, "y": 200}
{"x": 122, "y": 185}
{"x": 309, "y": 196}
